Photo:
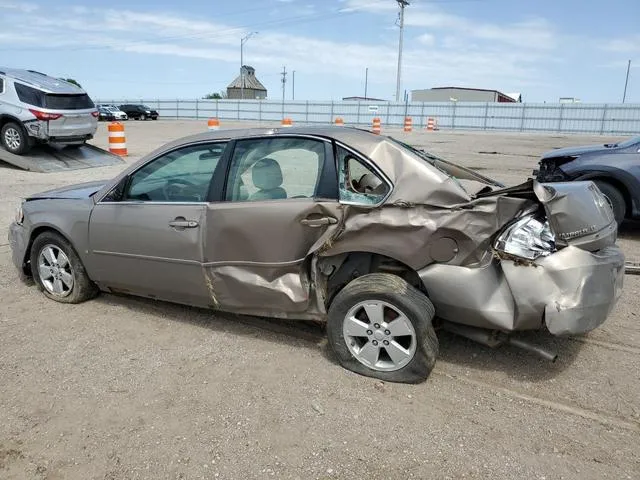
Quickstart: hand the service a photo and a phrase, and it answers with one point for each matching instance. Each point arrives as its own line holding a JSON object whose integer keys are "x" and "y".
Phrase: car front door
{"x": 146, "y": 235}
{"x": 280, "y": 205}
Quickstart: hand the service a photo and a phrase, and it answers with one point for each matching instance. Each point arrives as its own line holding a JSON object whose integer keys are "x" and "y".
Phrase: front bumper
{"x": 19, "y": 242}
{"x": 572, "y": 291}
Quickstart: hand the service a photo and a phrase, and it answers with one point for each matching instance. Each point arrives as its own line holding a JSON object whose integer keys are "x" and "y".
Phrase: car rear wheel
{"x": 380, "y": 326}
{"x": 58, "y": 271}
{"x": 616, "y": 199}
{"x": 14, "y": 139}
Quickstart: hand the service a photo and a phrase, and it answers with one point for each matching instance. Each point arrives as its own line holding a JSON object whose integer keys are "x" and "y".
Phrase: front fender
{"x": 70, "y": 218}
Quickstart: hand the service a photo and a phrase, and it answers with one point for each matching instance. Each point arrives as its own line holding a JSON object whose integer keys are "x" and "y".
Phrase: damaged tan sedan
{"x": 382, "y": 241}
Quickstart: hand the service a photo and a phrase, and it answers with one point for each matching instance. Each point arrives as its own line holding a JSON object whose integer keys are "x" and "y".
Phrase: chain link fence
{"x": 616, "y": 119}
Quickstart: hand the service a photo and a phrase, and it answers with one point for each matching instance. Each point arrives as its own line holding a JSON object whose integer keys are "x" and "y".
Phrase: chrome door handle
{"x": 183, "y": 224}
{"x": 318, "y": 222}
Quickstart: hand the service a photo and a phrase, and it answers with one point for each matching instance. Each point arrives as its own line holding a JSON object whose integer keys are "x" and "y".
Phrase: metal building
{"x": 459, "y": 94}
{"x": 253, "y": 89}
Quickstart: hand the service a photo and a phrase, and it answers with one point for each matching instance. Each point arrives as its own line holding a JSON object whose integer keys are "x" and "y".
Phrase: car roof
{"x": 359, "y": 139}
{"x": 42, "y": 81}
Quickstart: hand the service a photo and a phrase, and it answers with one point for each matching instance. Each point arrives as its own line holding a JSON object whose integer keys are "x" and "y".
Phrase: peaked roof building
{"x": 252, "y": 90}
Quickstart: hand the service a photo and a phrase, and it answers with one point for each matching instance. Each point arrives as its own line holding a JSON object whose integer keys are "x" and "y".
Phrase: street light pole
{"x": 366, "y": 82}
{"x": 243, "y": 40}
{"x": 402, "y": 4}
{"x": 626, "y": 82}
{"x": 293, "y": 85}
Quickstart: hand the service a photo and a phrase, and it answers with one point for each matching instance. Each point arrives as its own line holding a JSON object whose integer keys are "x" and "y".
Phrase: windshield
{"x": 450, "y": 169}
{"x": 146, "y": 107}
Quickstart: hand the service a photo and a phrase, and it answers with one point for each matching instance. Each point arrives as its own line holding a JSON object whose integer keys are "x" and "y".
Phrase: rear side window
{"x": 30, "y": 96}
{"x": 54, "y": 101}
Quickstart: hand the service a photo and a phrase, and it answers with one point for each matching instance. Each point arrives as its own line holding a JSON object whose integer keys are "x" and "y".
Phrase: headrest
{"x": 267, "y": 174}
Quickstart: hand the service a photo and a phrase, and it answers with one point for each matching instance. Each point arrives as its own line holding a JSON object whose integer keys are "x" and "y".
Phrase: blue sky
{"x": 544, "y": 49}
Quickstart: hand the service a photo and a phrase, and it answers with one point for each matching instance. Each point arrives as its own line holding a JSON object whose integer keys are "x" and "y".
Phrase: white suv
{"x": 37, "y": 108}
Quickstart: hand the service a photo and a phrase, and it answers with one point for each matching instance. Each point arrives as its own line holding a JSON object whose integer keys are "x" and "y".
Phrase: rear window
{"x": 54, "y": 101}
{"x": 68, "y": 102}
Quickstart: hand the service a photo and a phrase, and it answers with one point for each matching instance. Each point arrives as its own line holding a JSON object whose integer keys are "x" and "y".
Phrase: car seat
{"x": 267, "y": 177}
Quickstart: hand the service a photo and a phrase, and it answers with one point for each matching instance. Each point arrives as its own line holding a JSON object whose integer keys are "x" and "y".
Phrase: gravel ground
{"x": 125, "y": 388}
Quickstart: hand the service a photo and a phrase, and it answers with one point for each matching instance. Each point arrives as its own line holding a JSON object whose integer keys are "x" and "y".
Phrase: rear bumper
{"x": 571, "y": 291}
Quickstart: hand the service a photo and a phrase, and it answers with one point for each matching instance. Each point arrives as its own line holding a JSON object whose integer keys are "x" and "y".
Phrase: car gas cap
{"x": 443, "y": 249}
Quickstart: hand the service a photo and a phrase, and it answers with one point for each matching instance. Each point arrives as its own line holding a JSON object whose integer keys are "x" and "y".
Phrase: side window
{"x": 275, "y": 168}
{"x": 357, "y": 182}
{"x": 183, "y": 175}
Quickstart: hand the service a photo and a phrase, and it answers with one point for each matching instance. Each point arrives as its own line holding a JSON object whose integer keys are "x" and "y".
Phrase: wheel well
{"x": 6, "y": 119}
{"x": 620, "y": 187}
{"x": 34, "y": 234}
{"x": 344, "y": 268}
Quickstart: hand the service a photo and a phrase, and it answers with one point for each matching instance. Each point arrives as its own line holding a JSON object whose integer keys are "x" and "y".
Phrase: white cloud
{"x": 427, "y": 39}
{"x": 630, "y": 44}
{"x": 20, "y": 6}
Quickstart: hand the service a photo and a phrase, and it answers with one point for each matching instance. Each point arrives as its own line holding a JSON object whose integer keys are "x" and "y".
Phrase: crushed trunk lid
{"x": 578, "y": 213}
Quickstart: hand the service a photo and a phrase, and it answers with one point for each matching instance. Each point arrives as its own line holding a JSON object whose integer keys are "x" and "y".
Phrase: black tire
{"x": 25, "y": 142}
{"x": 411, "y": 302}
{"x": 83, "y": 288}
{"x": 615, "y": 197}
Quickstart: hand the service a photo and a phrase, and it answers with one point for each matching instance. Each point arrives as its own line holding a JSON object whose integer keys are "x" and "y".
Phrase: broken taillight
{"x": 44, "y": 115}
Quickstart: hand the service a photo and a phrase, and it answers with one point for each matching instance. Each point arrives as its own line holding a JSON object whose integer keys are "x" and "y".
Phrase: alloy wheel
{"x": 12, "y": 138}
{"x": 55, "y": 271}
{"x": 379, "y": 335}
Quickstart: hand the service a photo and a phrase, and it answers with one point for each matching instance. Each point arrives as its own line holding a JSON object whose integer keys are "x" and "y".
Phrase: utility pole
{"x": 284, "y": 82}
{"x": 293, "y": 85}
{"x": 402, "y": 4}
{"x": 626, "y": 82}
{"x": 366, "y": 81}
{"x": 243, "y": 40}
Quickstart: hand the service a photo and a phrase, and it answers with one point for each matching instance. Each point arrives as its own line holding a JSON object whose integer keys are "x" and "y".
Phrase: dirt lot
{"x": 122, "y": 388}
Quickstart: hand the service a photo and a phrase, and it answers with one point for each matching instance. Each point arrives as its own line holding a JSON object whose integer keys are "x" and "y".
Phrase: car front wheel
{"x": 58, "y": 271}
{"x": 15, "y": 139}
{"x": 380, "y": 326}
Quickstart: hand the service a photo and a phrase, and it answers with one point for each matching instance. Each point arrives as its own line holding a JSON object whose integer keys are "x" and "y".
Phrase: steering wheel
{"x": 175, "y": 187}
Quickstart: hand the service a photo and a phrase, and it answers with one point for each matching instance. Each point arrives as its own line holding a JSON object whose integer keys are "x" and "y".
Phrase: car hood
{"x": 77, "y": 191}
{"x": 574, "y": 151}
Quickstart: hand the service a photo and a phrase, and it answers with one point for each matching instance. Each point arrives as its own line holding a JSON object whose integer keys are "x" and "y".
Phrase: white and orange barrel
{"x": 339, "y": 122}
{"x": 117, "y": 140}
{"x": 287, "y": 122}
{"x": 375, "y": 127}
{"x": 435, "y": 124}
{"x": 408, "y": 124}
{"x": 213, "y": 124}
{"x": 430, "y": 124}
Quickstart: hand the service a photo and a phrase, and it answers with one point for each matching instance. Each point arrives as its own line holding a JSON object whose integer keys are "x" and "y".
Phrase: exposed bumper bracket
{"x": 495, "y": 338}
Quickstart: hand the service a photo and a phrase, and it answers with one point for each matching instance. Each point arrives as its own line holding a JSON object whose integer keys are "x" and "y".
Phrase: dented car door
{"x": 280, "y": 205}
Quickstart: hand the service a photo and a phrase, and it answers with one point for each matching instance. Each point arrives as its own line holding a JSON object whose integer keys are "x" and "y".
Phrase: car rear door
{"x": 147, "y": 238}
{"x": 279, "y": 206}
